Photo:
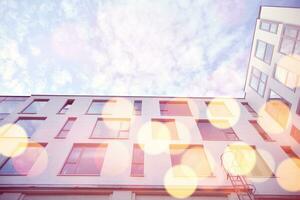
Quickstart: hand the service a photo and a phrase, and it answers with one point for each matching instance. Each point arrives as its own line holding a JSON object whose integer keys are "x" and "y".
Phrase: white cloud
{"x": 61, "y": 78}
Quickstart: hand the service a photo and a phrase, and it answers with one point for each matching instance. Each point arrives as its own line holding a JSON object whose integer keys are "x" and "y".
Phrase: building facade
{"x": 140, "y": 148}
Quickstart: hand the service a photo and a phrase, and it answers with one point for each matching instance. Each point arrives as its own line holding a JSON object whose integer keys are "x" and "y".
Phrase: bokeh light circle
{"x": 119, "y": 158}
{"x": 13, "y": 140}
{"x": 269, "y": 124}
{"x": 181, "y": 186}
{"x": 288, "y": 174}
{"x": 154, "y": 142}
{"x": 239, "y": 158}
{"x": 223, "y": 113}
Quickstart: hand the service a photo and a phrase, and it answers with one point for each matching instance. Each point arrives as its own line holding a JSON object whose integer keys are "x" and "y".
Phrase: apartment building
{"x": 140, "y": 148}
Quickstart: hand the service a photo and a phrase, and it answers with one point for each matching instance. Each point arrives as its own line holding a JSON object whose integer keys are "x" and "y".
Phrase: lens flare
{"x": 239, "y": 158}
{"x": 183, "y": 186}
{"x": 154, "y": 137}
{"x": 119, "y": 159}
{"x": 225, "y": 109}
{"x": 13, "y": 141}
{"x": 288, "y": 174}
{"x": 274, "y": 117}
{"x": 40, "y": 156}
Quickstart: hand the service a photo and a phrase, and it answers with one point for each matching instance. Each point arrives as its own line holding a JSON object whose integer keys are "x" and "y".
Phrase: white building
{"x": 140, "y": 148}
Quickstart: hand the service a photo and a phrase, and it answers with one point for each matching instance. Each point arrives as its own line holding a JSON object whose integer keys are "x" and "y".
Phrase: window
{"x": 295, "y": 133}
{"x": 9, "y": 104}
{"x": 137, "y": 167}
{"x": 85, "y": 159}
{"x": 137, "y": 108}
{"x": 66, "y": 128}
{"x": 66, "y": 106}
{"x": 111, "y": 128}
{"x": 289, "y": 151}
{"x": 258, "y": 81}
{"x": 242, "y": 157}
{"x": 164, "y": 129}
{"x": 290, "y": 41}
{"x": 35, "y": 106}
{"x": 261, "y": 131}
{"x": 278, "y": 108}
{"x": 192, "y": 156}
{"x": 218, "y": 109}
{"x": 210, "y": 132}
{"x": 249, "y": 109}
{"x": 21, "y": 164}
{"x": 268, "y": 26}
{"x": 174, "y": 108}
{"x": 286, "y": 77}
{"x": 29, "y": 124}
{"x": 101, "y": 107}
{"x": 264, "y": 51}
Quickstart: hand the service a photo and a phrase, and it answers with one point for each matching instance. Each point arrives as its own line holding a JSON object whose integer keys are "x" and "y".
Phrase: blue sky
{"x": 127, "y": 47}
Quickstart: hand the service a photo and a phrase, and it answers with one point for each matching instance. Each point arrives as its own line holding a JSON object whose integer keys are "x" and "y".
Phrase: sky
{"x": 127, "y": 47}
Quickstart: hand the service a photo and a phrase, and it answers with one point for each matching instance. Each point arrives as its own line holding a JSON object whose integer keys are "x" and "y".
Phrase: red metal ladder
{"x": 243, "y": 190}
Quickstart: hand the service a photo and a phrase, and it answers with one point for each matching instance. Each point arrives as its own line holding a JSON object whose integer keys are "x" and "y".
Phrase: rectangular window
{"x": 211, "y": 132}
{"x": 164, "y": 129}
{"x": 9, "y": 104}
{"x": 192, "y": 156}
{"x": 286, "y": 77}
{"x": 249, "y": 109}
{"x": 278, "y": 108}
{"x": 264, "y": 51}
{"x": 258, "y": 81}
{"x": 66, "y": 128}
{"x": 218, "y": 109}
{"x": 137, "y": 107}
{"x": 66, "y": 106}
{"x": 85, "y": 159}
{"x": 269, "y": 26}
{"x": 35, "y": 106}
{"x": 245, "y": 156}
{"x": 111, "y": 128}
{"x": 29, "y": 125}
{"x": 295, "y": 133}
{"x": 290, "y": 41}
{"x": 261, "y": 131}
{"x": 174, "y": 108}
{"x": 289, "y": 151}
{"x": 137, "y": 166}
{"x": 22, "y": 164}
{"x": 101, "y": 107}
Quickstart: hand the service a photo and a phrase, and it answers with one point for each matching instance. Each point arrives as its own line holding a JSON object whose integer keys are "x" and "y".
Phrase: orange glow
{"x": 288, "y": 175}
{"x": 223, "y": 108}
{"x": 14, "y": 140}
{"x": 183, "y": 186}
